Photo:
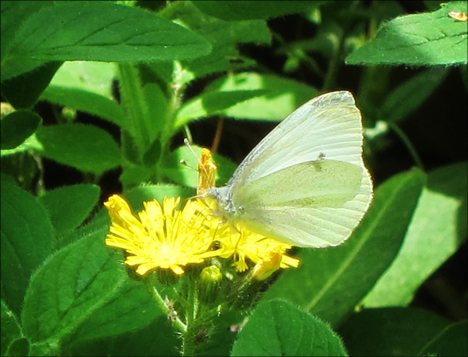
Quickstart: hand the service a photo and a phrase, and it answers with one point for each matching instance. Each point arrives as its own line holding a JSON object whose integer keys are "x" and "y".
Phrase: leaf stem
{"x": 408, "y": 144}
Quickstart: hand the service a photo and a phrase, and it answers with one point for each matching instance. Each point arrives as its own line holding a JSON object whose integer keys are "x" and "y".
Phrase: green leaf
{"x": 390, "y": 331}
{"x": 331, "y": 282}
{"x": 83, "y": 292}
{"x": 278, "y": 328}
{"x": 223, "y": 37}
{"x": 408, "y": 97}
{"x": 153, "y": 154}
{"x": 19, "y": 347}
{"x": 101, "y": 31}
{"x": 93, "y": 77}
{"x": 27, "y": 237}
{"x": 11, "y": 329}
{"x": 135, "y": 174}
{"x": 425, "y": 39}
{"x": 283, "y": 96}
{"x": 84, "y": 147}
{"x": 30, "y": 143}
{"x": 450, "y": 342}
{"x": 157, "y": 339}
{"x": 250, "y": 10}
{"x": 144, "y": 95}
{"x": 130, "y": 308}
{"x": 145, "y": 107}
{"x": 99, "y": 220}
{"x": 16, "y": 127}
{"x": 437, "y": 229}
{"x": 212, "y": 103}
{"x": 87, "y": 102}
{"x": 14, "y": 14}
{"x": 69, "y": 206}
{"x": 24, "y": 91}
{"x": 157, "y": 119}
{"x": 187, "y": 175}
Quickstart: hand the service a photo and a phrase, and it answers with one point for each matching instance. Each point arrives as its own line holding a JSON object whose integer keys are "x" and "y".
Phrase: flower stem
{"x": 188, "y": 346}
{"x": 169, "y": 312}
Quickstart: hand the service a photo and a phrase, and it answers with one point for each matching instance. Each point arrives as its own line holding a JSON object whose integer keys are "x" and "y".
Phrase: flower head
{"x": 161, "y": 236}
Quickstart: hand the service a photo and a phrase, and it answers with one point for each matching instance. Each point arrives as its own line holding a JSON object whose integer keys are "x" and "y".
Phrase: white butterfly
{"x": 305, "y": 183}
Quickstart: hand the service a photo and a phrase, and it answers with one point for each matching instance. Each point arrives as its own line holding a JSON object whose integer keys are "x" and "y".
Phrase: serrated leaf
{"x": 390, "y": 331}
{"x": 83, "y": 286}
{"x": 331, "y": 282}
{"x": 100, "y": 31}
{"x": 17, "y": 127}
{"x": 437, "y": 229}
{"x": 84, "y": 147}
{"x": 69, "y": 206}
{"x": 278, "y": 328}
{"x": 27, "y": 237}
{"x": 425, "y": 39}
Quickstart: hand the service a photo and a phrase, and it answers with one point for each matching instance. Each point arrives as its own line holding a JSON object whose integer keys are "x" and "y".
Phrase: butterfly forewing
{"x": 328, "y": 125}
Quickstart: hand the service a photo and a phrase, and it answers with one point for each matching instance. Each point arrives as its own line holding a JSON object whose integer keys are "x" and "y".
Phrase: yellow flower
{"x": 161, "y": 236}
{"x": 256, "y": 248}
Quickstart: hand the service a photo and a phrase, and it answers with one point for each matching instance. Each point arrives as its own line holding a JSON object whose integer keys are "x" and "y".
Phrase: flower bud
{"x": 209, "y": 283}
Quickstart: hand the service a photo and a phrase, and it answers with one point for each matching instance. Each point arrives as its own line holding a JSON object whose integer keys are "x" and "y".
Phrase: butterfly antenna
{"x": 189, "y": 146}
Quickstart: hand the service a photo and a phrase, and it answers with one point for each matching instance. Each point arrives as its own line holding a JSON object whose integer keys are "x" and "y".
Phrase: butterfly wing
{"x": 274, "y": 189}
